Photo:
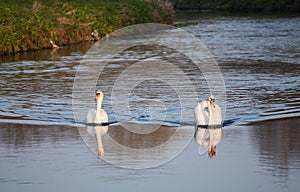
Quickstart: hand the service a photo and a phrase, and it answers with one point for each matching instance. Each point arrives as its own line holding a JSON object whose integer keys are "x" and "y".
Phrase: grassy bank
{"x": 239, "y": 5}
{"x": 31, "y": 24}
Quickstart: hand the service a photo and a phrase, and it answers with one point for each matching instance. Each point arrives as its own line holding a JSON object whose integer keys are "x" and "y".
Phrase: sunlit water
{"x": 259, "y": 59}
{"x": 260, "y": 65}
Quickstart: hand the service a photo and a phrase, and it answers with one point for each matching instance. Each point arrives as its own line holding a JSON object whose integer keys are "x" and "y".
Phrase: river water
{"x": 258, "y": 58}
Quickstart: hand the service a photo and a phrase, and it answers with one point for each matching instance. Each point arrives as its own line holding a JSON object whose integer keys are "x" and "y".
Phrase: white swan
{"x": 208, "y": 113}
{"x": 97, "y": 118}
{"x": 208, "y": 117}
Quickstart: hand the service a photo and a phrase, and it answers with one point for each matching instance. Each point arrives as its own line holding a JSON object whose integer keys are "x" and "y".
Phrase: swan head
{"x": 99, "y": 95}
{"x": 211, "y": 100}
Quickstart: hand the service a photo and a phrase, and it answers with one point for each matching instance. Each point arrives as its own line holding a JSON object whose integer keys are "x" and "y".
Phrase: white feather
{"x": 202, "y": 115}
{"x": 91, "y": 119}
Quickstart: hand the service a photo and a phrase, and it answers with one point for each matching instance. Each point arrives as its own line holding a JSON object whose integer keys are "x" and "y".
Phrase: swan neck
{"x": 99, "y": 106}
{"x": 209, "y": 111}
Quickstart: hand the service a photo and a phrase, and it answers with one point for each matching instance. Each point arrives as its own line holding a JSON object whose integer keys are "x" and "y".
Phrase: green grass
{"x": 29, "y": 25}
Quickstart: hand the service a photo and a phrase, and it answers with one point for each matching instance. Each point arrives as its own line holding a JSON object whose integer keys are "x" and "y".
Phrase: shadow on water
{"x": 277, "y": 144}
{"x": 47, "y": 54}
{"x": 26, "y": 135}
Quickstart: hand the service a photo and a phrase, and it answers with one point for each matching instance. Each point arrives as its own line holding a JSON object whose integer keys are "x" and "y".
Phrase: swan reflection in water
{"x": 208, "y": 138}
{"x": 208, "y": 118}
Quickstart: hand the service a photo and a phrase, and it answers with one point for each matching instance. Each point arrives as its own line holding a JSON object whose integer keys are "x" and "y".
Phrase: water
{"x": 249, "y": 37}
{"x": 38, "y": 86}
{"x": 40, "y": 148}
{"x": 55, "y": 158}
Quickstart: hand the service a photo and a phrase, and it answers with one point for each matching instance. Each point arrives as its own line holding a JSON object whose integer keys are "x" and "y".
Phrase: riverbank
{"x": 31, "y": 25}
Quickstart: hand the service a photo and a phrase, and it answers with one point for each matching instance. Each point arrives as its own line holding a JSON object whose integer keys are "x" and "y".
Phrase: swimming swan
{"x": 208, "y": 113}
{"x": 208, "y": 117}
{"x": 99, "y": 119}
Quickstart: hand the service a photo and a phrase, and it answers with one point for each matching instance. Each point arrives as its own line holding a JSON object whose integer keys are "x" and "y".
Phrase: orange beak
{"x": 212, "y": 104}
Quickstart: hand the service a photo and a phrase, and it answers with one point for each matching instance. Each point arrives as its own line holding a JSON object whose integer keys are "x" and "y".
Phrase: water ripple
{"x": 259, "y": 59}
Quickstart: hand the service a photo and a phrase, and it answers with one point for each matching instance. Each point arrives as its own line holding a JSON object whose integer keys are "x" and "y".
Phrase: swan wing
{"x": 103, "y": 116}
{"x": 91, "y": 116}
{"x": 216, "y": 116}
{"x": 201, "y": 114}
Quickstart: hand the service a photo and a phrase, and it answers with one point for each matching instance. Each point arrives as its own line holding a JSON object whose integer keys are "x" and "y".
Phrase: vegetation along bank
{"x": 32, "y": 24}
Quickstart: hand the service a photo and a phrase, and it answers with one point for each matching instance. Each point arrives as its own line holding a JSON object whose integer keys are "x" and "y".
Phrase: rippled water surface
{"x": 258, "y": 57}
